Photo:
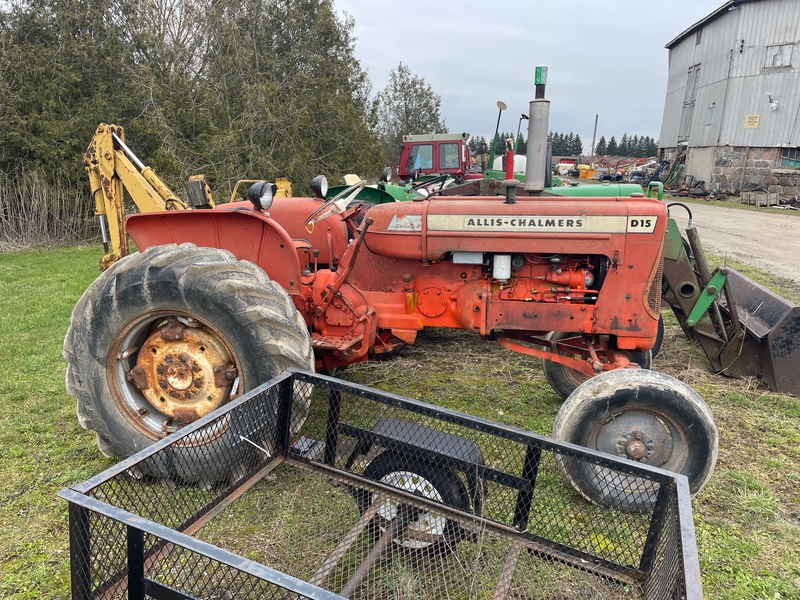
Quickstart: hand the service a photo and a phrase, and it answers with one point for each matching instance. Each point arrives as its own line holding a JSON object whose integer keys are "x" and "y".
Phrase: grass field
{"x": 747, "y": 519}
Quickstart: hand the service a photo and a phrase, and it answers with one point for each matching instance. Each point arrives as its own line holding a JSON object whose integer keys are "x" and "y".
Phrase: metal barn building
{"x": 733, "y": 98}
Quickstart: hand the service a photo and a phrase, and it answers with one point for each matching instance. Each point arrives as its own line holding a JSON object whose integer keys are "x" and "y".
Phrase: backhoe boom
{"x": 112, "y": 167}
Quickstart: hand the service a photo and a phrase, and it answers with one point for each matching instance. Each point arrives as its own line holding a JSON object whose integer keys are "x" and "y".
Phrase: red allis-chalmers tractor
{"x": 221, "y": 298}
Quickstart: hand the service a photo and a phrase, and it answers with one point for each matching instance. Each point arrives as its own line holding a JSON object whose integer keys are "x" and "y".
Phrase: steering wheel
{"x": 431, "y": 184}
{"x": 336, "y": 205}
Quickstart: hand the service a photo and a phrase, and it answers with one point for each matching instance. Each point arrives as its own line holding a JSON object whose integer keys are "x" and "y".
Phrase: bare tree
{"x": 406, "y": 105}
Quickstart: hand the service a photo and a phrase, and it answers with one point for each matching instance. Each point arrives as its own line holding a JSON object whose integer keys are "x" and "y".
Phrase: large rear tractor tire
{"x": 639, "y": 415}
{"x": 166, "y": 336}
{"x": 564, "y": 380}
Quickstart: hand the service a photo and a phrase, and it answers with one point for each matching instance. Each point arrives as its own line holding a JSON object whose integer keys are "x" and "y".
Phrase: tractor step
{"x": 326, "y": 342}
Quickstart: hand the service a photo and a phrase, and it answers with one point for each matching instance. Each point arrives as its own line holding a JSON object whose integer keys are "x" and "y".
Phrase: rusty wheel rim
{"x": 169, "y": 369}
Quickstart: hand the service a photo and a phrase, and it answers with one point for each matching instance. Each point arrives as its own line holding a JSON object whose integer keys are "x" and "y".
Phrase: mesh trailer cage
{"x": 311, "y": 487}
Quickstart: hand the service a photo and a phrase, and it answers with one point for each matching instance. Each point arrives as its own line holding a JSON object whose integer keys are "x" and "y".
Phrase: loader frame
{"x": 743, "y": 328}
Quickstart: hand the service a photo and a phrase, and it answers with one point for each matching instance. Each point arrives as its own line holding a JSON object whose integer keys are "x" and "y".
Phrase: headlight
{"x": 319, "y": 186}
{"x": 261, "y": 194}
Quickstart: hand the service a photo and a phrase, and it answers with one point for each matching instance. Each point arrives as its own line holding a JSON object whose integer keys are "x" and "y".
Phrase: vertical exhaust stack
{"x": 538, "y": 128}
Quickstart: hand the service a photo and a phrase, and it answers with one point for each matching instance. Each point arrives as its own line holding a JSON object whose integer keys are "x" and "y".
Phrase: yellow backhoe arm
{"x": 112, "y": 167}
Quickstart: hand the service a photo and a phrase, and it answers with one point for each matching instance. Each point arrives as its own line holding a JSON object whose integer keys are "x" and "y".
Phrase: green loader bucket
{"x": 772, "y": 325}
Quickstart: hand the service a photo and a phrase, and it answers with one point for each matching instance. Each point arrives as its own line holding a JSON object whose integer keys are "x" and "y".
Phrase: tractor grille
{"x": 372, "y": 495}
{"x": 653, "y": 289}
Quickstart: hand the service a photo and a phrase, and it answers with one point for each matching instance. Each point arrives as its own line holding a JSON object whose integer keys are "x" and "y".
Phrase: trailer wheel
{"x": 565, "y": 380}
{"x": 168, "y": 335}
{"x": 639, "y": 415}
{"x": 428, "y": 534}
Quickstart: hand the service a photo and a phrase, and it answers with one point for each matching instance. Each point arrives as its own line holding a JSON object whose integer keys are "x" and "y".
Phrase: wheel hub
{"x": 185, "y": 375}
{"x": 642, "y": 436}
{"x": 635, "y": 446}
{"x": 180, "y": 376}
{"x": 426, "y": 524}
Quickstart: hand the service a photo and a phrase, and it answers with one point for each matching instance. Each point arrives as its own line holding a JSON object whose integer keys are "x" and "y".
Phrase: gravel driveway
{"x": 767, "y": 240}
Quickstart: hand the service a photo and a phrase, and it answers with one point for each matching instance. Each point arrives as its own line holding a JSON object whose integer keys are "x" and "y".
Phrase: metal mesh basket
{"x": 335, "y": 489}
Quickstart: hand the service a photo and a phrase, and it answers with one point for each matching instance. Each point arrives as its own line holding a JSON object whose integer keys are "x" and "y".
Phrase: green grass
{"x": 747, "y": 519}
{"x": 42, "y": 447}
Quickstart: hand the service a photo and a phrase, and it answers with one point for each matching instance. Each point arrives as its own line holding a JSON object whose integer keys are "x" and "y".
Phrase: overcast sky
{"x": 604, "y": 58}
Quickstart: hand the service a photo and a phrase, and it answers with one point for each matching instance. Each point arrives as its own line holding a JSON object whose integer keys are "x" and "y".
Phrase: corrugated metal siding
{"x": 738, "y": 40}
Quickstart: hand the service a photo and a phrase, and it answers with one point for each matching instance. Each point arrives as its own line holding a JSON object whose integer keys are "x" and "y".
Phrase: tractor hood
{"x": 429, "y": 230}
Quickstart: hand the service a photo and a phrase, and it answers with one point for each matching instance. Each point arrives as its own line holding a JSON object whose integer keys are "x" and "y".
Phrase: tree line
{"x": 565, "y": 144}
{"x": 230, "y": 89}
{"x": 562, "y": 144}
{"x": 571, "y": 144}
{"x": 627, "y": 146}
{"x": 479, "y": 145}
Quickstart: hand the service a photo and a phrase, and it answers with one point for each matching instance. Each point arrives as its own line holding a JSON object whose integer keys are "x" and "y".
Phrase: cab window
{"x": 448, "y": 156}
{"x": 420, "y": 157}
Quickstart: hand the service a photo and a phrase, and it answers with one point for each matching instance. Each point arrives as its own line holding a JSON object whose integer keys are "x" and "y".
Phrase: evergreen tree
{"x": 624, "y": 148}
{"x": 577, "y": 145}
{"x": 61, "y": 62}
{"x": 612, "y": 148}
{"x": 521, "y": 145}
{"x": 601, "y": 149}
{"x": 269, "y": 89}
{"x": 562, "y": 144}
{"x": 636, "y": 146}
{"x": 287, "y": 95}
{"x": 500, "y": 144}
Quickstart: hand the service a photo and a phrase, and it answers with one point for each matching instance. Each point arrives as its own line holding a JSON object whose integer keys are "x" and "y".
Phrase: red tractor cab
{"x": 435, "y": 154}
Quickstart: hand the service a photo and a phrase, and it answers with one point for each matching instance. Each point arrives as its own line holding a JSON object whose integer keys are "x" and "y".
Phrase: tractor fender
{"x": 248, "y": 234}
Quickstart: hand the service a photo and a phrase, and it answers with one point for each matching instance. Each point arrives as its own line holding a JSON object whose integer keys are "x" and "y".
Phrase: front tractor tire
{"x": 637, "y": 415}
{"x": 166, "y": 336}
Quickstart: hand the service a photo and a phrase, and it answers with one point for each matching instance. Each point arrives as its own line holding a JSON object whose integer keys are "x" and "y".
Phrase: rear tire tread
{"x": 255, "y": 315}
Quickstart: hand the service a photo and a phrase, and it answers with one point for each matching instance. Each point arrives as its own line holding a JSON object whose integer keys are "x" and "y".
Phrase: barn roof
{"x": 730, "y": 5}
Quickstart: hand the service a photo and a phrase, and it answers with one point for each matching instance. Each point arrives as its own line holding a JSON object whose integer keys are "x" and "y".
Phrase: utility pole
{"x": 594, "y": 135}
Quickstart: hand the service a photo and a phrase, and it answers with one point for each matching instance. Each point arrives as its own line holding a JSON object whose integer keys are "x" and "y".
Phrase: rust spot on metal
{"x": 192, "y": 373}
{"x": 173, "y": 330}
{"x": 186, "y": 416}
{"x": 138, "y": 377}
{"x": 224, "y": 374}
